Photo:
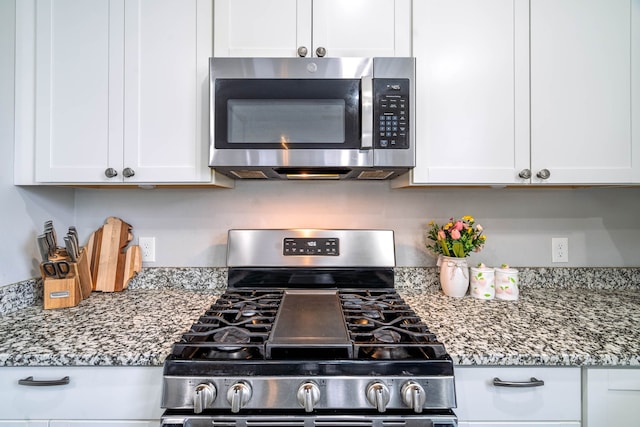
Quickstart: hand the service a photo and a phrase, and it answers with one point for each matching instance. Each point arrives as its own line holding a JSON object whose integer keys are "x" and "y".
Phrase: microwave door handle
{"x": 367, "y": 113}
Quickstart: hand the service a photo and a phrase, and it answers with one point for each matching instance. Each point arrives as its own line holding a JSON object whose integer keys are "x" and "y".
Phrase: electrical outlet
{"x": 560, "y": 249}
{"x": 147, "y": 248}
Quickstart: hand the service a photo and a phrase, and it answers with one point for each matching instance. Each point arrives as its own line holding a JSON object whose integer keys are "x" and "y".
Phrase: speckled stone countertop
{"x": 554, "y": 322}
{"x": 136, "y": 327}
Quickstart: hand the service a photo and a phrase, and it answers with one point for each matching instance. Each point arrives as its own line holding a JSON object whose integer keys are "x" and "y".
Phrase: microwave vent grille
{"x": 249, "y": 174}
{"x": 375, "y": 174}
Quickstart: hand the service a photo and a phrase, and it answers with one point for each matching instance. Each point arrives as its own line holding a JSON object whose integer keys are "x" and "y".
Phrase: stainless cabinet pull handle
{"x": 29, "y": 381}
{"x": 525, "y": 174}
{"x": 128, "y": 172}
{"x": 544, "y": 174}
{"x": 110, "y": 173}
{"x": 302, "y": 51}
{"x": 533, "y": 382}
{"x": 321, "y": 52}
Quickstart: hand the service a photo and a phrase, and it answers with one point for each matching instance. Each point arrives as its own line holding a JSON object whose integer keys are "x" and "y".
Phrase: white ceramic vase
{"x": 454, "y": 276}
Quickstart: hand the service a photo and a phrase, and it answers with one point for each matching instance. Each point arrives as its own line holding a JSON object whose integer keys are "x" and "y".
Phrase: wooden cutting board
{"x": 112, "y": 263}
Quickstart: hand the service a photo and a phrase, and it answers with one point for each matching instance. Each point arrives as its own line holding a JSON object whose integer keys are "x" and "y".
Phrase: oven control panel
{"x": 391, "y": 113}
{"x": 311, "y": 246}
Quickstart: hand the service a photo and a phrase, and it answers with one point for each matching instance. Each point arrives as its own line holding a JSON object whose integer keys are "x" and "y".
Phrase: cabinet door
{"x": 279, "y": 28}
{"x": 520, "y": 424}
{"x": 581, "y": 90}
{"x": 14, "y": 423}
{"x": 472, "y": 109}
{"x": 556, "y": 402}
{"x": 262, "y": 28}
{"x": 78, "y": 83}
{"x": 612, "y": 397}
{"x": 94, "y": 423}
{"x": 367, "y": 28}
{"x": 166, "y": 55}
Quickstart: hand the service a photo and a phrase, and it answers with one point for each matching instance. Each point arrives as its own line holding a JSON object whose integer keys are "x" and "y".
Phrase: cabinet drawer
{"x": 480, "y": 400}
{"x": 97, "y": 393}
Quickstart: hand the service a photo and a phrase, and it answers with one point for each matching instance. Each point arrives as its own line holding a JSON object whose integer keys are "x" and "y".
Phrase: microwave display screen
{"x": 283, "y": 121}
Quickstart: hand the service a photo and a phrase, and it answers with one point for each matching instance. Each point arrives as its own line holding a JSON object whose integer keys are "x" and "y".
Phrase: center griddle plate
{"x": 311, "y": 321}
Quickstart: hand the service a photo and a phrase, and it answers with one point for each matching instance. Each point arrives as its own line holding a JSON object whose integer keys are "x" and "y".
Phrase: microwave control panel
{"x": 391, "y": 113}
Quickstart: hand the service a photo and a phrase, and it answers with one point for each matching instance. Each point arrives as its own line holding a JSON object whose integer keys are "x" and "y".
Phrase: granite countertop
{"x": 548, "y": 325}
{"x": 131, "y": 328}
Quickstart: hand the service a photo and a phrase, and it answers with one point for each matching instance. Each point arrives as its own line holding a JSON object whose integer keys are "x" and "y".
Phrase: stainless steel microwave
{"x": 312, "y": 118}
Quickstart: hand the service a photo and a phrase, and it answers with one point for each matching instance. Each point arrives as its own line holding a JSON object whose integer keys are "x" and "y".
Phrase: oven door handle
{"x": 533, "y": 382}
{"x": 366, "y": 105}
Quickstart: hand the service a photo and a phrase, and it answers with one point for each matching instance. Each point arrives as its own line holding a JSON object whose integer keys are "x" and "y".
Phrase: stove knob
{"x": 378, "y": 395}
{"x": 204, "y": 395}
{"x": 308, "y": 395}
{"x": 239, "y": 395}
{"x": 413, "y": 395}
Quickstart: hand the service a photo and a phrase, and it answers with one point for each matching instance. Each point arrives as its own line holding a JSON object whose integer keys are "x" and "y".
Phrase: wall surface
{"x": 24, "y": 210}
{"x": 190, "y": 225}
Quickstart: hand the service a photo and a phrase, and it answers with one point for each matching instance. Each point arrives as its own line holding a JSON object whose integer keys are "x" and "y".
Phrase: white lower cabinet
{"x": 485, "y": 398}
{"x": 4, "y": 423}
{"x": 519, "y": 424}
{"x": 93, "y": 423}
{"x": 94, "y": 396}
{"x": 611, "y": 397}
{"x": 78, "y": 423}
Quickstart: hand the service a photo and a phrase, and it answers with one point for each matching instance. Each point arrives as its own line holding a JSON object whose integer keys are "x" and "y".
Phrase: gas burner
{"x": 228, "y": 353}
{"x": 387, "y": 336}
{"x": 246, "y": 310}
{"x": 231, "y": 335}
{"x": 387, "y": 353}
{"x": 257, "y": 323}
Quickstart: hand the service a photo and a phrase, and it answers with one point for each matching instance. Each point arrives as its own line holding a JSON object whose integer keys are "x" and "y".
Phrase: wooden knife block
{"x": 60, "y": 293}
{"x": 69, "y": 291}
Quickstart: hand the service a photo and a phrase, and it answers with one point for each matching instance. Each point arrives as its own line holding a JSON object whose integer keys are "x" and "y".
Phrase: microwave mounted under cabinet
{"x": 312, "y": 118}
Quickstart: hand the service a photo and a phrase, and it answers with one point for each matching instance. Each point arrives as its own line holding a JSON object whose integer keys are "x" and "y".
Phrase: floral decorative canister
{"x": 483, "y": 282}
{"x": 507, "y": 283}
{"x": 454, "y": 276}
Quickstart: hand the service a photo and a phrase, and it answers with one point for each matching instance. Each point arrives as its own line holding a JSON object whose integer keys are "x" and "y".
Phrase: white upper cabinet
{"x": 336, "y": 28}
{"x": 472, "y": 100}
{"x": 582, "y": 57}
{"x": 527, "y": 92}
{"x": 121, "y": 91}
{"x": 76, "y": 89}
{"x": 166, "y": 61}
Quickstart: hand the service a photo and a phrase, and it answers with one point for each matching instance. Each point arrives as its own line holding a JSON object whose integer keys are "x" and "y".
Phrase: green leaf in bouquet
{"x": 458, "y": 249}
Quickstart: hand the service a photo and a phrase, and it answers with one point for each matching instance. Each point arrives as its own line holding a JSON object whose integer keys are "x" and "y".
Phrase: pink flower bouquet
{"x": 457, "y": 238}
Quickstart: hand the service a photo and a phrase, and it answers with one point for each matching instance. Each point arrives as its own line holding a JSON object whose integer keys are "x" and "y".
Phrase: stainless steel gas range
{"x": 310, "y": 332}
